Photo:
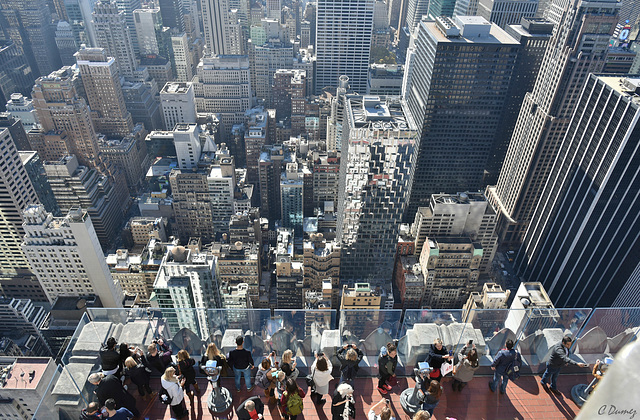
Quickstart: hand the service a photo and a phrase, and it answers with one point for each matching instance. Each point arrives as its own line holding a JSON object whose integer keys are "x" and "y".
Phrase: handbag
{"x": 446, "y": 368}
{"x": 392, "y": 381}
{"x": 435, "y": 373}
{"x": 309, "y": 379}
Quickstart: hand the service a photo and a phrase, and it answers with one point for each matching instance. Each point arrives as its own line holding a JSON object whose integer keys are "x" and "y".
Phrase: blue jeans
{"x": 496, "y": 381}
{"x": 550, "y": 376}
{"x": 247, "y": 376}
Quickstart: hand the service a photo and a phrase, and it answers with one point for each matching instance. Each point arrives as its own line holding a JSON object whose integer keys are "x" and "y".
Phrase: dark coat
{"x": 187, "y": 370}
{"x": 243, "y": 414}
{"x": 349, "y": 368}
{"x": 436, "y": 357}
{"x": 387, "y": 365}
{"x": 139, "y": 375}
{"x": 111, "y": 387}
{"x": 559, "y": 357}
{"x": 160, "y": 361}
{"x": 503, "y": 359}
{"x": 109, "y": 358}
{"x": 337, "y": 411}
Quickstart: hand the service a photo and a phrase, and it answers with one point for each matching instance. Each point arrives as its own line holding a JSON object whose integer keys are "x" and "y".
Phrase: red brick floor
{"x": 525, "y": 399}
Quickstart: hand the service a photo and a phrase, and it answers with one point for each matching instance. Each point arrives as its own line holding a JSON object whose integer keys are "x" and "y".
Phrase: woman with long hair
{"x": 321, "y": 374}
{"x": 186, "y": 367}
{"x": 466, "y": 367}
{"x": 213, "y": 353}
{"x": 173, "y": 386}
{"x": 432, "y": 396}
{"x": 289, "y": 364}
{"x": 140, "y": 376}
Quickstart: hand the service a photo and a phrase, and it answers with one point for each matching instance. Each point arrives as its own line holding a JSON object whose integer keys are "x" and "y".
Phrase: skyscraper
{"x": 182, "y": 57}
{"x": 343, "y": 42}
{"x": 127, "y": 7}
{"x": 415, "y": 10}
{"x": 28, "y": 24}
{"x": 534, "y": 35}
{"x": 148, "y": 24}
{"x": 101, "y": 81}
{"x": 291, "y": 198}
{"x": 379, "y": 149}
{"x": 66, "y": 42}
{"x": 62, "y": 111}
{"x": 456, "y": 83}
{"x": 223, "y": 86}
{"x": 73, "y": 266}
{"x": 172, "y": 13}
{"x": 33, "y": 165}
{"x": 113, "y": 34}
{"x": 578, "y": 47}
{"x": 507, "y": 12}
{"x": 15, "y": 73}
{"x": 178, "y": 104}
{"x": 18, "y": 193}
{"x": 74, "y": 185}
{"x": 222, "y": 33}
{"x": 584, "y": 237}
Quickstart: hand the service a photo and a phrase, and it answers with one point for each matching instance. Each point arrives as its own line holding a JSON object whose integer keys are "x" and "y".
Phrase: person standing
{"x": 342, "y": 402}
{"x": 242, "y": 362}
{"x": 387, "y": 363}
{"x": 110, "y": 358}
{"x": 432, "y": 396}
{"x": 501, "y": 363}
{"x": 173, "y": 386}
{"x": 559, "y": 358}
{"x": 321, "y": 374}
{"x": 350, "y": 357}
{"x": 111, "y": 387}
{"x": 119, "y": 414}
{"x": 140, "y": 375}
{"x": 213, "y": 353}
{"x": 291, "y": 401}
{"x": 186, "y": 368}
{"x": 463, "y": 372}
{"x": 289, "y": 365}
{"x": 158, "y": 356}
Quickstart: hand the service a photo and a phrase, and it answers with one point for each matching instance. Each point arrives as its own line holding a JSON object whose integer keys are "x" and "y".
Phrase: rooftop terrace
{"x": 598, "y": 332}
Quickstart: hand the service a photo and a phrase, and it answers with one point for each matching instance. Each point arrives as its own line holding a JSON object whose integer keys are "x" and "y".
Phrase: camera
{"x": 320, "y": 354}
{"x": 470, "y": 342}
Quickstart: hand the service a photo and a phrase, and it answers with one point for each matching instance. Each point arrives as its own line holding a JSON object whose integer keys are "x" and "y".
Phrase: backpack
{"x": 164, "y": 396}
{"x": 513, "y": 368}
{"x": 294, "y": 404}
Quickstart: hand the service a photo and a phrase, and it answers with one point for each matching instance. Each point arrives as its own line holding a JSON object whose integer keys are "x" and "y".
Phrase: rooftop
{"x": 23, "y": 373}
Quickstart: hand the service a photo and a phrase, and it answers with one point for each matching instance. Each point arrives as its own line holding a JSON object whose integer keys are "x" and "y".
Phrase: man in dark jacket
{"x": 110, "y": 357}
{"x": 242, "y": 362}
{"x": 92, "y": 412}
{"x": 158, "y": 356}
{"x": 250, "y": 409}
{"x": 111, "y": 387}
{"x": 559, "y": 358}
{"x": 350, "y": 357}
{"x": 499, "y": 366}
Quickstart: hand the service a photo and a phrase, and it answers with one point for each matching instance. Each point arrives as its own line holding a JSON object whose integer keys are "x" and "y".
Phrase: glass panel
{"x": 606, "y": 332}
{"x": 254, "y": 325}
{"x": 369, "y": 329}
{"x": 493, "y": 327}
{"x": 304, "y": 327}
{"x": 544, "y": 328}
{"x": 422, "y": 326}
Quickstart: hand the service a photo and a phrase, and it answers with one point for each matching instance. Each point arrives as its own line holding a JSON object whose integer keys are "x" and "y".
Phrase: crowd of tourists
{"x": 123, "y": 365}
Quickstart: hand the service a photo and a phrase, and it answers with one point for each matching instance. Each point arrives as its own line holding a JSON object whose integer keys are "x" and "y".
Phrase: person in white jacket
{"x": 173, "y": 384}
{"x": 321, "y": 374}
